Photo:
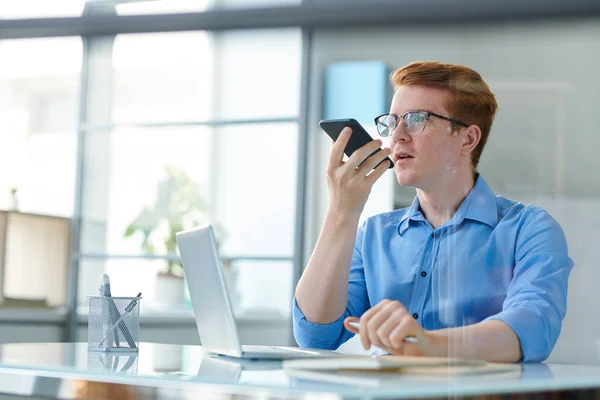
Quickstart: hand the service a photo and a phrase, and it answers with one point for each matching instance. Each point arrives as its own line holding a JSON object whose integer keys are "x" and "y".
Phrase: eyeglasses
{"x": 413, "y": 122}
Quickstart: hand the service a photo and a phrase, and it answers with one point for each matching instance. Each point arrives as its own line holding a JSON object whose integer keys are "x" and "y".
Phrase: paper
{"x": 377, "y": 363}
{"x": 394, "y": 378}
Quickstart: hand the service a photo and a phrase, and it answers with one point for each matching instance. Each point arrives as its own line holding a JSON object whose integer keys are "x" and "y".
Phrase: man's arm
{"x": 388, "y": 323}
{"x": 536, "y": 302}
{"x": 488, "y": 340}
{"x": 322, "y": 292}
{"x": 331, "y": 335}
{"x": 527, "y": 327}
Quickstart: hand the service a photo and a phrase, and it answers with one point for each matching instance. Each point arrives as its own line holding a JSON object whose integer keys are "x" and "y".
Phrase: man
{"x": 467, "y": 273}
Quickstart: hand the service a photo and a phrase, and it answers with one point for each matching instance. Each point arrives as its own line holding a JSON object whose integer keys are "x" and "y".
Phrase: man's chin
{"x": 406, "y": 179}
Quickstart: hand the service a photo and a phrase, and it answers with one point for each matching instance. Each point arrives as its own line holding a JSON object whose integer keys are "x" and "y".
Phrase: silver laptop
{"x": 211, "y": 304}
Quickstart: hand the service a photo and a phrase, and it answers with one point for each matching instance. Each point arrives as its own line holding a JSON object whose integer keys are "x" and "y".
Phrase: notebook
{"x": 407, "y": 375}
{"x": 382, "y": 371}
{"x": 379, "y": 363}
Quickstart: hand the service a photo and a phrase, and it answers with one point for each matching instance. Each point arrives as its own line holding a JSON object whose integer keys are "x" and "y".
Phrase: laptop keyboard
{"x": 264, "y": 349}
{"x": 277, "y": 350}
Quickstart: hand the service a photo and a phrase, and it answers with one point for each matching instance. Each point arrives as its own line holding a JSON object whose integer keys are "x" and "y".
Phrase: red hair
{"x": 470, "y": 99}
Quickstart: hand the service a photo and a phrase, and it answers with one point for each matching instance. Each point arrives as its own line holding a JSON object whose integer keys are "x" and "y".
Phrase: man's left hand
{"x": 387, "y": 324}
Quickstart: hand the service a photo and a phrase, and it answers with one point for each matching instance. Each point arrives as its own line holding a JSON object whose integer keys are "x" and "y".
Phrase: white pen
{"x": 127, "y": 310}
{"x": 410, "y": 339}
{"x": 105, "y": 291}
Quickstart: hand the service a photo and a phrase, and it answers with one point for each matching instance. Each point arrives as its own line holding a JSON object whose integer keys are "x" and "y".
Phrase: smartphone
{"x": 358, "y": 138}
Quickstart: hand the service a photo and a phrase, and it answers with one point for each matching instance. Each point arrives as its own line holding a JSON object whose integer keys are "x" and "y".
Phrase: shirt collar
{"x": 413, "y": 213}
{"x": 479, "y": 205}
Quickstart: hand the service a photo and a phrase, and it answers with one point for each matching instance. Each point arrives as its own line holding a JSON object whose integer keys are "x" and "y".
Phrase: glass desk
{"x": 68, "y": 371}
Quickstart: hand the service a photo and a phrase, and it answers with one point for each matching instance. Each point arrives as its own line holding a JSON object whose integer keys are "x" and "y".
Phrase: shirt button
{"x": 423, "y": 274}
{"x": 415, "y": 316}
{"x": 434, "y": 235}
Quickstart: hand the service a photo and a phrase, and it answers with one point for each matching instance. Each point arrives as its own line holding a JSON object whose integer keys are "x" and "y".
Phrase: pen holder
{"x": 122, "y": 364}
{"x": 114, "y": 324}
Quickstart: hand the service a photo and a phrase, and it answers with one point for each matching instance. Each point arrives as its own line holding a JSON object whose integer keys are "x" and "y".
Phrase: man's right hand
{"x": 350, "y": 185}
{"x": 322, "y": 292}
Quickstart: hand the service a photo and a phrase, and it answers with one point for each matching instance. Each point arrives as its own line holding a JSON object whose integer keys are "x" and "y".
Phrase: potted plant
{"x": 179, "y": 206}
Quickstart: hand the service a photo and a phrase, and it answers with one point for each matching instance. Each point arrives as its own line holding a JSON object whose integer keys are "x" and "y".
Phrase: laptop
{"x": 212, "y": 308}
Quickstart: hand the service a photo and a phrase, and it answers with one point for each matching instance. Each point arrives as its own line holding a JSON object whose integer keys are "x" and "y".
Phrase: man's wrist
{"x": 438, "y": 341}
{"x": 341, "y": 218}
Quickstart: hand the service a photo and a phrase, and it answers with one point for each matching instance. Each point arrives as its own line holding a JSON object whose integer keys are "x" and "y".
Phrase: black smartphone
{"x": 358, "y": 138}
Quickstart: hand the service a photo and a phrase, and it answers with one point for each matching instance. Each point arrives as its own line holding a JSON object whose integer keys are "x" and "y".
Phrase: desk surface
{"x": 65, "y": 369}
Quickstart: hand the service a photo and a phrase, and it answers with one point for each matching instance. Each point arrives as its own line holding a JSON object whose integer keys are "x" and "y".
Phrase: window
{"x": 39, "y": 89}
{"x": 40, "y": 8}
{"x": 218, "y": 109}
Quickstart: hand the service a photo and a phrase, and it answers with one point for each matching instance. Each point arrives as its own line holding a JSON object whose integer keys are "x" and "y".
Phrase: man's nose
{"x": 400, "y": 135}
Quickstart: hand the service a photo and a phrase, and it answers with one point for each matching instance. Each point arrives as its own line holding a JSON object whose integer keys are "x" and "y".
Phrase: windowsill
{"x": 28, "y": 315}
{"x": 150, "y": 316}
{"x": 179, "y": 315}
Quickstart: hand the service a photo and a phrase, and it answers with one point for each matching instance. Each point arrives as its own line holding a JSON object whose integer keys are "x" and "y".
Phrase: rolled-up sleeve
{"x": 331, "y": 336}
{"x": 536, "y": 300}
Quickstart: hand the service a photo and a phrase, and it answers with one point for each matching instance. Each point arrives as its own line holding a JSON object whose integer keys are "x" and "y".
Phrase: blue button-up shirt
{"x": 494, "y": 259}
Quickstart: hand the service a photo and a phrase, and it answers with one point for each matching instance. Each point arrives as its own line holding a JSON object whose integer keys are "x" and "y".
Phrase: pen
{"x": 105, "y": 291}
{"x": 127, "y": 310}
{"x": 132, "y": 303}
{"x": 128, "y": 364}
{"x": 115, "y": 315}
{"x": 409, "y": 339}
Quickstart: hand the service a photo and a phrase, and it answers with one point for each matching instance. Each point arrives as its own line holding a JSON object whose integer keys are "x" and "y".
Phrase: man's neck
{"x": 439, "y": 205}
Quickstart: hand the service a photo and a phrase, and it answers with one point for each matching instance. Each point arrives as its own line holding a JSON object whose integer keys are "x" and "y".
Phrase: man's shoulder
{"x": 391, "y": 216}
{"x": 520, "y": 213}
{"x": 384, "y": 222}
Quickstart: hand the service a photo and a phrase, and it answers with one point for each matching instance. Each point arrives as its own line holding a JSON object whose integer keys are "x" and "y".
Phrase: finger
{"x": 350, "y": 327}
{"x": 364, "y": 320}
{"x": 362, "y": 153}
{"x": 386, "y": 328}
{"x": 371, "y": 162}
{"x": 377, "y": 172}
{"x": 411, "y": 349}
{"x": 405, "y": 328}
{"x": 337, "y": 151}
{"x": 407, "y": 349}
{"x": 375, "y": 323}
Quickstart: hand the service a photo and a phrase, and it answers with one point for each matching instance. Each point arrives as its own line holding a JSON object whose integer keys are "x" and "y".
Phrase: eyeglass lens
{"x": 413, "y": 123}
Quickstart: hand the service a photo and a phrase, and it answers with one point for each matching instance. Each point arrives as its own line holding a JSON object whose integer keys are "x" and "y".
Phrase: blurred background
{"x": 122, "y": 122}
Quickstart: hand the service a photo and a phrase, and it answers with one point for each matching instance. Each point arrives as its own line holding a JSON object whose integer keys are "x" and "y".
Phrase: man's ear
{"x": 471, "y": 137}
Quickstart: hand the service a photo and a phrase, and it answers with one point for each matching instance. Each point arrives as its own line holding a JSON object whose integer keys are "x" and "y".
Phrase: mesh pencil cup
{"x": 114, "y": 324}
{"x": 120, "y": 363}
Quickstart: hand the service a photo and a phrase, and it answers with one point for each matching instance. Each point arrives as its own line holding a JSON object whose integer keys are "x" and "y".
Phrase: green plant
{"x": 179, "y": 205}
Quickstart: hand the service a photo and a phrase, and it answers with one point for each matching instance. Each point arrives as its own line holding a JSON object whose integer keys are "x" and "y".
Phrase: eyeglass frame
{"x": 429, "y": 114}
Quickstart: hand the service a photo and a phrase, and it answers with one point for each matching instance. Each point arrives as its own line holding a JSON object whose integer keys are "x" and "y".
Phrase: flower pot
{"x": 169, "y": 289}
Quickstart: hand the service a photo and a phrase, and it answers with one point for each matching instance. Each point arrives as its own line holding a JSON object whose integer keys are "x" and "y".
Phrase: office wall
{"x": 543, "y": 144}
